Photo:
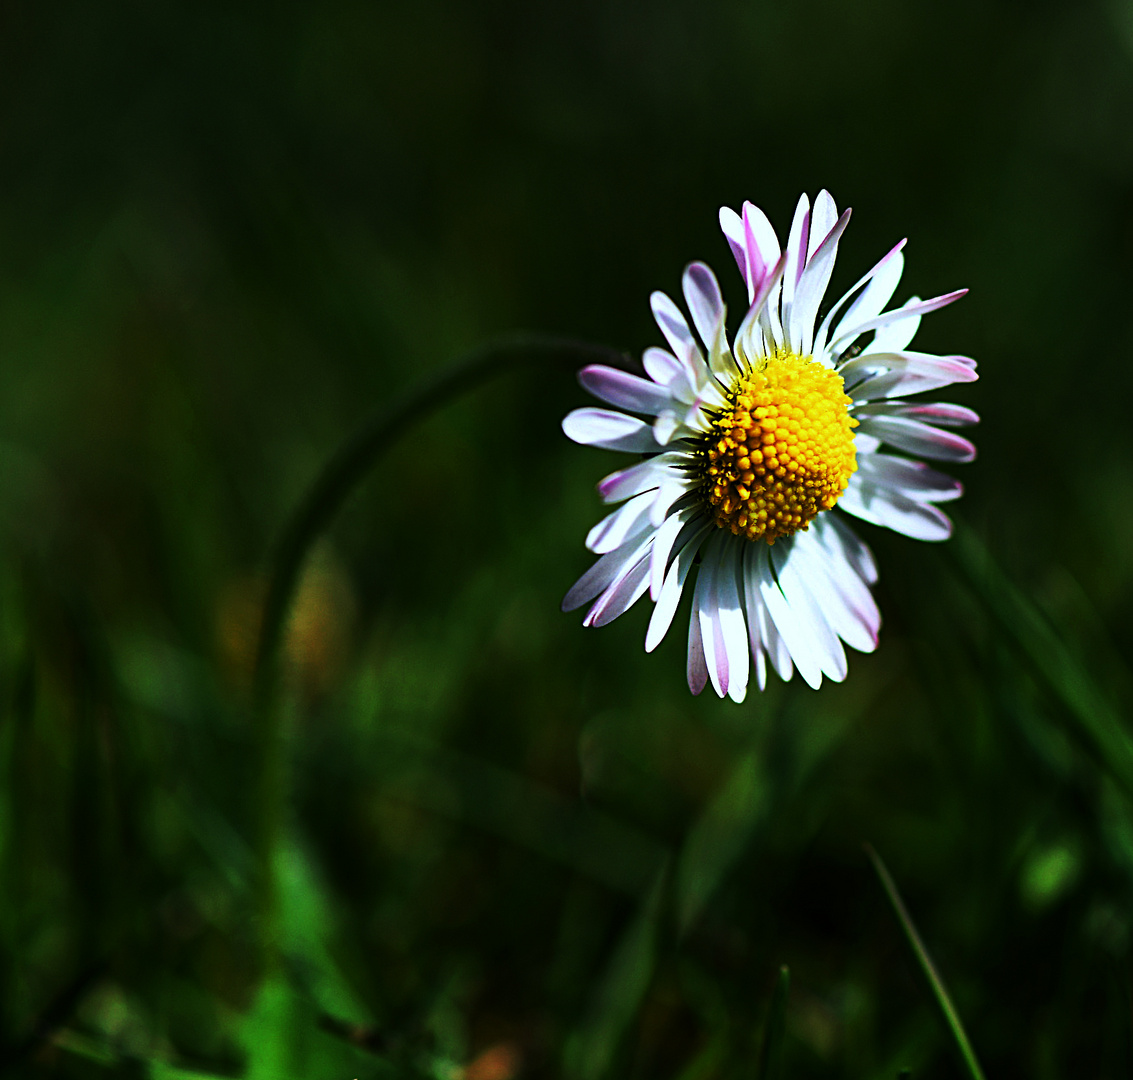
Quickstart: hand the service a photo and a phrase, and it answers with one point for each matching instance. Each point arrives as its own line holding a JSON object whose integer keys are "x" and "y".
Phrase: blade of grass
{"x": 951, "y": 1016}
{"x": 590, "y": 1052}
{"x": 1097, "y": 723}
{"x": 771, "y": 1057}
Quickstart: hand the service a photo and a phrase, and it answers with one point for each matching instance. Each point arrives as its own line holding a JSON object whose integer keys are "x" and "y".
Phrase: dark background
{"x": 229, "y": 233}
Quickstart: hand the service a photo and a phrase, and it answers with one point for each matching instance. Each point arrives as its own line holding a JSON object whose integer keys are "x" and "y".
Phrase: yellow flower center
{"x": 782, "y": 452}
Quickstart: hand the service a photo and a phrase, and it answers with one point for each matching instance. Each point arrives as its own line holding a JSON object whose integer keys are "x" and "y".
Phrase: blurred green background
{"x": 514, "y": 848}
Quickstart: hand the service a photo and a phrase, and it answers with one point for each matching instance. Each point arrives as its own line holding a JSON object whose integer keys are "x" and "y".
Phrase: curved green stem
{"x": 331, "y": 488}
{"x": 920, "y": 951}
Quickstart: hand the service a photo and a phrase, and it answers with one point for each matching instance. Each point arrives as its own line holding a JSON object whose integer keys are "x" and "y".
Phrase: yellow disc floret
{"x": 781, "y": 451}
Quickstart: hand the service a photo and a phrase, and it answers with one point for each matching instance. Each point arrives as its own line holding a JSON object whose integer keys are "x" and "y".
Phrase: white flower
{"x": 754, "y": 451}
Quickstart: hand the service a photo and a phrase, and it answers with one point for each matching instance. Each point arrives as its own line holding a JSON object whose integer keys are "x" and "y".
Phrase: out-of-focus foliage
{"x": 514, "y": 848}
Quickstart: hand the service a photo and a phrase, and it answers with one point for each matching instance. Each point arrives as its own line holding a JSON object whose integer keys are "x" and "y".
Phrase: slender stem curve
{"x": 345, "y": 470}
{"x": 354, "y": 459}
{"x": 920, "y": 951}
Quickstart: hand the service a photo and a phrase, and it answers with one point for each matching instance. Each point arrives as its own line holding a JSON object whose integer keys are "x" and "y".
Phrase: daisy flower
{"x": 756, "y": 451}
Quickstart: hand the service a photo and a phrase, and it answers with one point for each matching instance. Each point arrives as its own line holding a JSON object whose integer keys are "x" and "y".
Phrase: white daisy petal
{"x": 708, "y": 614}
{"x": 628, "y": 520}
{"x": 916, "y": 438}
{"x": 940, "y": 413}
{"x": 792, "y": 626}
{"x": 913, "y": 479}
{"x": 665, "y": 427}
{"x": 777, "y": 651}
{"x": 798, "y": 593}
{"x": 666, "y": 370}
{"x": 645, "y": 476}
{"x": 887, "y": 375}
{"x": 870, "y": 302}
{"x": 915, "y": 310}
{"x": 813, "y": 283}
{"x": 756, "y": 314}
{"x": 696, "y": 670}
{"x": 706, "y": 305}
{"x": 753, "y": 605}
{"x": 598, "y": 578}
{"x": 842, "y": 596}
{"x": 679, "y": 529}
{"x": 759, "y": 234}
{"x": 880, "y": 506}
{"x": 865, "y": 444}
{"x": 796, "y": 262}
{"x": 879, "y": 295}
{"x": 624, "y": 389}
{"x": 621, "y": 595}
{"x": 760, "y": 237}
{"x": 731, "y": 618}
{"x": 823, "y": 216}
{"x": 897, "y": 335}
{"x": 677, "y": 333}
{"x": 732, "y": 226}
{"x": 609, "y": 430}
{"x": 779, "y": 582}
{"x": 840, "y": 540}
{"x": 747, "y": 256}
{"x": 669, "y": 595}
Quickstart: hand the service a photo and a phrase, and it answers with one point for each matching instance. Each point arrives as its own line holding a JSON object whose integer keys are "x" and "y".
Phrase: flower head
{"x": 755, "y": 451}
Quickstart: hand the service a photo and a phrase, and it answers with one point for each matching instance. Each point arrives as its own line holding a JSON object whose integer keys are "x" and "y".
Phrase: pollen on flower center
{"x": 784, "y": 450}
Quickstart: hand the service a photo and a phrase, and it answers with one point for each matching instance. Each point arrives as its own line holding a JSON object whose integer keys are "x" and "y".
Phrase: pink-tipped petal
{"x": 941, "y": 413}
{"x": 915, "y": 310}
{"x": 621, "y": 595}
{"x": 696, "y": 667}
{"x": 875, "y": 376}
{"x": 759, "y": 304}
{"x": 706, "y": 305}
{"x": 625, "y": 390}
{"x": 880, "y": 285}
{"x": 598, "y": 578}
{"x": 705, "y": 302}
{"x": 812, "y": 286}
{"x": 707, "y": 611}
{"x": 672, "y": 324}
{"x": 759, "y": 234}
